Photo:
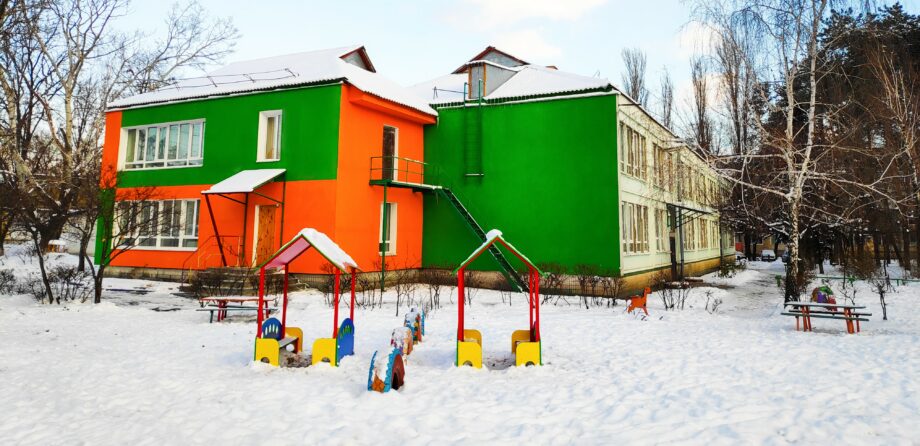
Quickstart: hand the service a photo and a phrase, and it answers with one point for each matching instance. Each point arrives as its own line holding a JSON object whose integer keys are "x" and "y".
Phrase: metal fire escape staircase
{"x": 406, "y": 173}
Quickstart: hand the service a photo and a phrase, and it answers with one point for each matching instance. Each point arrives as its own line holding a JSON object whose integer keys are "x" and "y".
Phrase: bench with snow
{"x": 843, "y": 312}
{"x": 222, "y": 311}
{"x": 274, "y": 339}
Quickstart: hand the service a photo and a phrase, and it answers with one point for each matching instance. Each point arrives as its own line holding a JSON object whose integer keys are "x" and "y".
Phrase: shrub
{"x": 66, "y": 283}
{"x": 7, "y": 281}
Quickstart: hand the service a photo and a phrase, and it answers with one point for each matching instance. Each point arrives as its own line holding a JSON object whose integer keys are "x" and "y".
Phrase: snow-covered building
{"x": 567, "y": 165}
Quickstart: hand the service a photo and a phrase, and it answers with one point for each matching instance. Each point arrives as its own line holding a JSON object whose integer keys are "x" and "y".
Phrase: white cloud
{"x": 506, "y": 12}
{"x": 527, "y": 44}
{"x": 695, "y": 39}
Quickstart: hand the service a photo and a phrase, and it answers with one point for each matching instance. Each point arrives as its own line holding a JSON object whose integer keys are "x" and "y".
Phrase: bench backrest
{"x": 271, "y": 329}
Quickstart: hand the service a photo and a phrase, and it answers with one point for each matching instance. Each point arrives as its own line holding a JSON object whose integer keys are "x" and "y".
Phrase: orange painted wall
{"x": 110, "y": 148}
{"x": 309, "y": 204}
{"x": 358, "y": 212}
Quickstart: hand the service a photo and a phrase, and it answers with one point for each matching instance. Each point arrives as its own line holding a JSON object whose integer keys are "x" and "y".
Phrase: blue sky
{"x": 414, "y": 40}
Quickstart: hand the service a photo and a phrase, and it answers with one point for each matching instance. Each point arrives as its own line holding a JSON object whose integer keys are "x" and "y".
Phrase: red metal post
{"x": 284, "y": 302}
{"x": 261, "y": 300}
{"x": 335, "y": 303}
{"x": 352, "y": 313}
{"x": 530, "y": 301}
{"x": 460, "y": 303}
{"x": 536, "y": 303}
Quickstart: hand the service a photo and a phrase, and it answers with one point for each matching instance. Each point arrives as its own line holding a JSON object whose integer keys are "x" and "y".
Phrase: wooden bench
{"x": 271, "y": 343}
{"x": 224, "y": 310}
{"x": 808, "y": 310}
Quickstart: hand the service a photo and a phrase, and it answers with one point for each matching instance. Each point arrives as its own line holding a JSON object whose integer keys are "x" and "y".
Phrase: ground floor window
{"x": 159, "y": 224}
{"x": 635, "y": 228}
{"x": 388, "y": 229}
{"x": 661, "y": 230}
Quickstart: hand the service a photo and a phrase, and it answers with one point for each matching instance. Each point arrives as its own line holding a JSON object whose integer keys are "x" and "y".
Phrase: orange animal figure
{"x": 639, "y": 301}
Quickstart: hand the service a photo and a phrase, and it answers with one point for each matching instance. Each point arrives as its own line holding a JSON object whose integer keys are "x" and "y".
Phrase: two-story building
{"x": 241, "y": 159}
{"x": 570, "y": 168}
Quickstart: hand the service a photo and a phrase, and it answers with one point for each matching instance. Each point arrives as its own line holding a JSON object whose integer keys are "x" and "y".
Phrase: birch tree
{"x": 805, "y": 162}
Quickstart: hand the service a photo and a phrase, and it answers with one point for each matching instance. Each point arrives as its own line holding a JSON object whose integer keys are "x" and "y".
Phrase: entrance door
{"x": 265, "y": 233}
{"x": 389, "y": 153}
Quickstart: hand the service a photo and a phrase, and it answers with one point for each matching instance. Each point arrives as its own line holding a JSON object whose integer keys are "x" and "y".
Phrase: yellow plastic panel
{"x": 296, "y": 333}
{"x": 527, "y": 352}
{"x": 267, "y": 351}
{"x": 324, "y": 348}
{"x": 472, "y": 335}
{"x": 519, "y": 336}
{"x": 469, "y": 352}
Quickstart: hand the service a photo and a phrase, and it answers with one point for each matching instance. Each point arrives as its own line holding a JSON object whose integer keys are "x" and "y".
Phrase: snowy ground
{"x": 119, "y": 373}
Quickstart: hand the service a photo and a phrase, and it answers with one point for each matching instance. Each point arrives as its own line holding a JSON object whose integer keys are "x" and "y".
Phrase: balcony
{"x": 399, "y": 172}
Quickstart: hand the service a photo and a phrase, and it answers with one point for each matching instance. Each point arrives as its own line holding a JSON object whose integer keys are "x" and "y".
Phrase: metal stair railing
{"x": 507, "y": 270}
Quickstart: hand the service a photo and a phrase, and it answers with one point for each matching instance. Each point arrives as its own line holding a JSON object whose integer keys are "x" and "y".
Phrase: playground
{"x": 743, "y": 374}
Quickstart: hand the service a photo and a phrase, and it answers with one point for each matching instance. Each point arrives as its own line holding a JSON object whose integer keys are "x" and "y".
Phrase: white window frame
{"x": 391, "y": 247}
{"x": 189, "y": 160}
{"x": 183, "y": 219}
{"x": 263, "y": 123}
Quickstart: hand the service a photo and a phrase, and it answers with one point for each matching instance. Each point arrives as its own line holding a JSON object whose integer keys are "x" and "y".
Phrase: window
{"x": 635, "y": 228}
{"x": 155, "y": 146}
{"x": 388, "y": 233}
{"x": 160, "y": 224}
{"x": 269, "y": 136}
{"x": 632, "y": 147}
{"x": 661, "y": 230}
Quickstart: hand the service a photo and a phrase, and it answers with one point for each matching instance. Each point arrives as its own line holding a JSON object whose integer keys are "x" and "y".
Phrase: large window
{"x": 177, "y": 144}
{"x": 269, "y": 136}
{"x": 632, "y": 152}
{"x": 635, "y": 228}
{"x": 662, "y": 235}
{"x": 159, "y": 224}
{"x": 388, "y": 230}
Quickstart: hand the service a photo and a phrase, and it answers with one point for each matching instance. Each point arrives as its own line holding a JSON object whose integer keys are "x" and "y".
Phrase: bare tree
{"x": 701, "y": 124}
{"x": 62, "y": 62}
{"x": 667, "y": 98}
{"x": 806, "y": 168}
{"x": 634, "y": 63}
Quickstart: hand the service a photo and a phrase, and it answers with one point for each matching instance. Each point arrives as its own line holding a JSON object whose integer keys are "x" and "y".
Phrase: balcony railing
{"x": 392, "y": 169}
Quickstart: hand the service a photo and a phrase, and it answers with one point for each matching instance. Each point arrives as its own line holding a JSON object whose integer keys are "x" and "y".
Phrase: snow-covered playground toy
{"x": 273, "y": 335}
{"x": 526, "y": 345}
{"x": 388, "y": 369}
{"x": 415, "y": 321}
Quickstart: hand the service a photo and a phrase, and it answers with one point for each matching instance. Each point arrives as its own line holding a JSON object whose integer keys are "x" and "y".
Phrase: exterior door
{"x": 265, "y": 233}
{"x": 389, "y": 153}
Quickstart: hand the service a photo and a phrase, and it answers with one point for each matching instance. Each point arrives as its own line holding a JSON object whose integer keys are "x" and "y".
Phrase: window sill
{"x": 158, "y": 248}
{"x": 389, "y": 254}
{"x": 267, "y": 161}
{"x": 122, "y": 169}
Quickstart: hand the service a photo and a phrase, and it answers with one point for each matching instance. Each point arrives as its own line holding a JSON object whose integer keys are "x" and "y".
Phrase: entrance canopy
{"x": 303, "y": 241}
{"x": 245, "y": 181}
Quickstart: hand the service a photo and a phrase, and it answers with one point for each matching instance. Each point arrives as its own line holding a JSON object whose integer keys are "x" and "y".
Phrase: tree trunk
{"x": 876, "y": 239}
{"x": 40, "y": 254}
{"x": 905, "y": 244}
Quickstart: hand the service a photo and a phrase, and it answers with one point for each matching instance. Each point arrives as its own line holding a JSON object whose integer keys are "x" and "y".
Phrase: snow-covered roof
{"x": 491, "y": 237}
{"x": 304, "y": 240}
{"x": 244, "y": 181}
{"x": 287, "y": 71}
{"x": 527, "y": 81}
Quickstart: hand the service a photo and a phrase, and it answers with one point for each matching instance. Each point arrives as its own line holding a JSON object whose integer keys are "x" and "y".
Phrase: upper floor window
{"x": 270, "y": 135}
{"x": 177, "y": 144}
{"x": 632, "y": 147}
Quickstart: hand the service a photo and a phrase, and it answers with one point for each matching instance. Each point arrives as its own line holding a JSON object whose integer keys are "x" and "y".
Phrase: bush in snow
{"x": 433, "y": 279}
{"x": 67, "y": 284}
{"x": 551, "y": 281}
{"x": 7, "y": 281}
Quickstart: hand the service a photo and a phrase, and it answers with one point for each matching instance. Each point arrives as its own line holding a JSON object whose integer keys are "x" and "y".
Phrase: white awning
{"x": 245, "y": 181}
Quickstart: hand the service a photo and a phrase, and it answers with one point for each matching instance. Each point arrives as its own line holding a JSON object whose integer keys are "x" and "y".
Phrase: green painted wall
{"x": 309, "y": 136}
{"x": 549, "y": 183}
